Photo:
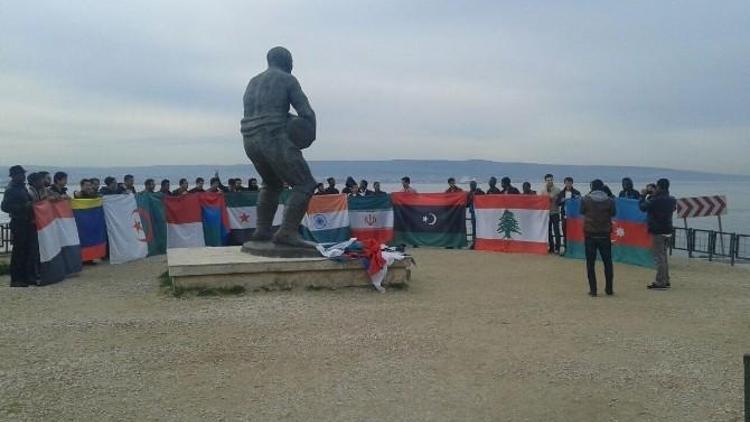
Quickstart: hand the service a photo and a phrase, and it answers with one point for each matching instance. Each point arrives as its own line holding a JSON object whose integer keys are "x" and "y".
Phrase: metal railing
{"x": 5, "y": 238}
{"x": 712, "y": 244}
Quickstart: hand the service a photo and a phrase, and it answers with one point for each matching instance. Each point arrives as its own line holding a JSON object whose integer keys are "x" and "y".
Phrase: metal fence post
{"x": 747, "y": 387}
{"x": 690, "y": 235}
{"x": 733, "y": 240}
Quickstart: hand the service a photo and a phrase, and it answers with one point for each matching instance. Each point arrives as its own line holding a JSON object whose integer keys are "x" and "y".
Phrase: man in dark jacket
{"x": 493, "y": 190}
{"x": 659, "y": 207}
{"x": 598, "y": 209}
{"x": 628, "y": 191}
{"x": 331, "y": 189}
{"x": 18, "y": 204}
{"x": 508, "y": 189}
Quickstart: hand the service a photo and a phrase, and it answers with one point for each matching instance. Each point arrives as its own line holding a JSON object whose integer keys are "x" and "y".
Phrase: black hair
{"x": 230, "y": 182}
{"x": 183, "y": 180}
{"x": 406, "y": 179}
{"x": 95, "y": 179}
{"x": 128, "y": 176}
{"x": 214, "y": 179}
{"x": 568, "y": 179}
{"x": 597, "y": 184}
{"x": 627, "y": 179}
{"x": 663, "y": 184}
{"x": 505, "y": 181}
{"x": 250, "y": 180}
{"x": 164, "y": 182}
{"x": 548, "y": 175}
{"x": 363, "y": 182}
{"x": 59, "y": 176}
{"x": 84, "y": 181}
{"x": 109, "y": 180}
{"x": 149, "y": 181}
{"x": 199, "y": 180}
{"x": 330, "y": 180}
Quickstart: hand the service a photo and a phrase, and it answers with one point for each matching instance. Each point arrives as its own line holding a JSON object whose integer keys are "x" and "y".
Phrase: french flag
{"x": 184, "y": 222}
{"x": 59, "y": 245}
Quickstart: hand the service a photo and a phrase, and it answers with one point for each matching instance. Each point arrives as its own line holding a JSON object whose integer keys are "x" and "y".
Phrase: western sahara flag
{"x": 154, "y": 220}
{"x": 327, "y": 219}
{"x": 59, "y": 246}
{"x": 243, "y": 215}
{"x": 631, "y": 242}
{"x": 128, "y": 239}
{"x": 371, "y": 217}
{"x": 430, "y": 219}
{"x": 92, "y": 231}
{"x": 184, "y": 222}
{"x": 512, "y": 223}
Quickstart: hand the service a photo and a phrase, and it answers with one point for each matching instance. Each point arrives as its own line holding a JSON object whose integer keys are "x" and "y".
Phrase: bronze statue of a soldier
{"x": 273, "y": 141}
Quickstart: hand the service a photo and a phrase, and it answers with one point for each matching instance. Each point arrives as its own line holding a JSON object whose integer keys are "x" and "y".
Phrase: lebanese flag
{"x": 128, "y": 239}
{"x": 184, "y": 222}
{"x": 512, "y": 223}
{"x": 59, "y": 245}
{"x": 371, "y": 217}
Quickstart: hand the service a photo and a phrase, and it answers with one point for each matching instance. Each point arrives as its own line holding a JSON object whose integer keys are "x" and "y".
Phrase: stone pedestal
{"x": 227, "y": 267}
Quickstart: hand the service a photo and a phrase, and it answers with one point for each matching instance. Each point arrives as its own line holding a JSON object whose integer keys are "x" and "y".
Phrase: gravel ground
{"x": 477, "y": 336}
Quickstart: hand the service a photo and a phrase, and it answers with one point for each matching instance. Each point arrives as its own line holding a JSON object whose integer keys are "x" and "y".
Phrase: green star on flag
{"x": 508, "y": 225}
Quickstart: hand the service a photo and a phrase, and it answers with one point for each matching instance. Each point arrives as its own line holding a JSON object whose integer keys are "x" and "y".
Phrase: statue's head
{"x": 280, "y": 58}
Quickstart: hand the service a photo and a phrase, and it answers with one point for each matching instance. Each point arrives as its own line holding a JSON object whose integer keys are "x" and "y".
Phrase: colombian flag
{"x": 631, "y": 242}
{"x": 92, "y": 230}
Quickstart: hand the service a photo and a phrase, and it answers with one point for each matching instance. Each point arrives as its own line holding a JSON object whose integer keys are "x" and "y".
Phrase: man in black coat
{"x": 659, "y": 207}
{"x": 18, "y": 204}
{"x": 597, "y": 209}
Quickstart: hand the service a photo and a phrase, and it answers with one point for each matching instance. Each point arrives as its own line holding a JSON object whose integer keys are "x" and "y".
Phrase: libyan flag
{"x": 631, "y": 242}
{"x": 429, "y": 219}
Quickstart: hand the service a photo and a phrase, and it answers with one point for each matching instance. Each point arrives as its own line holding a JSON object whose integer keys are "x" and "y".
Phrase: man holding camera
{"x": 659, "y": 207}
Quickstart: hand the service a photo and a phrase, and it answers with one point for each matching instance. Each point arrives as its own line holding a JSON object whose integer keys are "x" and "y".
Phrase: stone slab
{"x": 272, "y": 250}
{"x": 225, "y": 267}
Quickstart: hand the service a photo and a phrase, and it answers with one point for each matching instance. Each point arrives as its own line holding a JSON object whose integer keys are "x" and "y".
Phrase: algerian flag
{"x": 128, "y": 239}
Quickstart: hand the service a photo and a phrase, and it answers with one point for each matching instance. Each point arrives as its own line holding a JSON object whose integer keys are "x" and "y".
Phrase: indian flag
{"x": 512, "y": 223}
{"x": 371, "y": 217}
{"x": 327, "y": 219}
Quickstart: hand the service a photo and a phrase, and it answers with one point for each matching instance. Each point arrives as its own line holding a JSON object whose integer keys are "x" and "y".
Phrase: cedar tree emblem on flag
{"x": 508, "y": 225}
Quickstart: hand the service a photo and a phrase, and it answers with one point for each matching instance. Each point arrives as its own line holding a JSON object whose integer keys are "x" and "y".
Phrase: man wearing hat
{"x": 17, "y": 203}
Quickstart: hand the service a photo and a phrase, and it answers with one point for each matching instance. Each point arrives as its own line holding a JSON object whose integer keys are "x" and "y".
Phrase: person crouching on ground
{"x": 659, "y": 207}
{"x": 598, "y": 209}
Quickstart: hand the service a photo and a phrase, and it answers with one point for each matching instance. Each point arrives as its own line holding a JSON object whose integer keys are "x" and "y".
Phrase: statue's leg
{"x": 297, "y": 173}
{"x": 268, "y": 198}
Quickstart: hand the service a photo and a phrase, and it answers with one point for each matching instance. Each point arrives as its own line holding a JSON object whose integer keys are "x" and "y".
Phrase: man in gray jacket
{"x": 598, "y": 209}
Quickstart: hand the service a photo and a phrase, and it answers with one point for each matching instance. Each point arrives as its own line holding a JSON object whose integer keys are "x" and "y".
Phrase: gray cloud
{"x": 632, "y": 83}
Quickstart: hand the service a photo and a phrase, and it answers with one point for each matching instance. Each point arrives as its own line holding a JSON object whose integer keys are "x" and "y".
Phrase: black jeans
{"x": 554, "y": 227}
{"x": 603, "y": 245}
{"x": 23, "y": 267}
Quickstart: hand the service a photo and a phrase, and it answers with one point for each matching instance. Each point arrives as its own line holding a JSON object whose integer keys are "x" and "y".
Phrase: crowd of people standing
{"x": 597, "y": 207}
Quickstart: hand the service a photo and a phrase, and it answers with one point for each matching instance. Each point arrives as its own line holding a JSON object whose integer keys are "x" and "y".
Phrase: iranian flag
{"x": 59, "y": 245}
{"x": 371, "y": 217}
{"x": 184, "y": 222}
{"x": 327, "y": 219}
{"x": 430, "y": 219}
{"x": 512, "y": 223}
{"x": 128, "y": 239}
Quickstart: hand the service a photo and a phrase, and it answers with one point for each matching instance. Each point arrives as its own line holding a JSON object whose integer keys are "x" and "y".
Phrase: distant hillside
{"x": 421, "y": 171}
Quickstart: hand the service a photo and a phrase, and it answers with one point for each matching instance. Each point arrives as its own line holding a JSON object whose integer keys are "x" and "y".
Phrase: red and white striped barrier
{"x": 702, "y": 206}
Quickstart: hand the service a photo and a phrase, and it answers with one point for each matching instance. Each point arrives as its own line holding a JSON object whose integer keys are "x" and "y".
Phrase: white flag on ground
{"x": 128, "y": 239}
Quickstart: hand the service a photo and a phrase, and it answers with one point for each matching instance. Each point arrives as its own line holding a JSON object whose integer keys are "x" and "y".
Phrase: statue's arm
{"x": 299, "y": 101}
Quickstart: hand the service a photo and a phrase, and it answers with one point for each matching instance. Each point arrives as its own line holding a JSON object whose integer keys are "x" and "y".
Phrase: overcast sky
{"x": 662, "y": 83}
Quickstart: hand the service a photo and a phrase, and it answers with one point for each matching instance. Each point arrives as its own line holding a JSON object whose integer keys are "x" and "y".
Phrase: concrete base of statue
{"x": 227, "y": 267}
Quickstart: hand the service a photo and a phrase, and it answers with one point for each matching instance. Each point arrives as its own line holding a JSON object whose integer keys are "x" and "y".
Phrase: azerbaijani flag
{"x": 215, "y": 218}
{"x": 92, "y": 231}
{"x": 512, "y": 223}
{"x": 184, "y": 222}
{"x": 59, "y": 247}
{"x": 154, "y": 220}
{"x": 242, "y": 209}
{"x": 430, "y": 219}
{"x": 327, "y": 219}
{"x": 371, "y": 217}
{"x": 631, "y": 242}
{"x": 128, "y": 240}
